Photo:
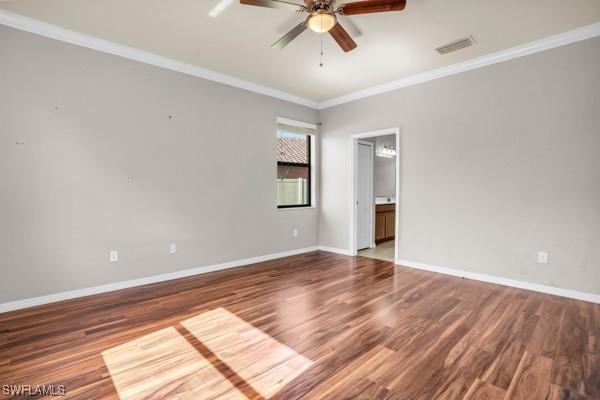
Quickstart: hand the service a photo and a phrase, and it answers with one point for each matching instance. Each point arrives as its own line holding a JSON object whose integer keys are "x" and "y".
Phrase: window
{"x": 294, "y": 168}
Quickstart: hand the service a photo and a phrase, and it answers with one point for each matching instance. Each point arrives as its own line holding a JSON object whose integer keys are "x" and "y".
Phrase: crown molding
{"x": 41, "y": 28}
{"x": 576, "y": 35}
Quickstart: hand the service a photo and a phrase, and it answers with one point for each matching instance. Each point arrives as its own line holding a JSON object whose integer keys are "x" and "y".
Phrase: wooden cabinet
{"x": 385, "y": 222}
{"x": 379, "y": 226}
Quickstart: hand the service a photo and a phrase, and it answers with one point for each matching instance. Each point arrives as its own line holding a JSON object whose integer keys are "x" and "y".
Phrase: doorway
{"x": 375, "y": 194}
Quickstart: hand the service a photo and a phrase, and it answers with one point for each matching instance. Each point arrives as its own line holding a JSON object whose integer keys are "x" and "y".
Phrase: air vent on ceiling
{"x": 454, "y": 46}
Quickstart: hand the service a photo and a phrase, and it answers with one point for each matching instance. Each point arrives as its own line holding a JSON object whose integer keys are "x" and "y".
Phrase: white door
{"x": 364, "y": 195}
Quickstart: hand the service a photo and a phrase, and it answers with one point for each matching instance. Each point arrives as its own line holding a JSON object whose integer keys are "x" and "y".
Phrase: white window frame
{"x": 313, "y": 161}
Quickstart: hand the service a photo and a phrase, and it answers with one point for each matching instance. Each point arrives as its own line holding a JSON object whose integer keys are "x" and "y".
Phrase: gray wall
{"x": 103, "y": 167}
{"x": 496, "y": 164}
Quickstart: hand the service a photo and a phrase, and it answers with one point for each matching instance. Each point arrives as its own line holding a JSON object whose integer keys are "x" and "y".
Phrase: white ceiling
{"x": 237, "y": 42}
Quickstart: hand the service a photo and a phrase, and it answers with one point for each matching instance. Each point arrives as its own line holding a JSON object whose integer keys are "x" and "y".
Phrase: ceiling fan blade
{"x": 342, "y": 38}
{"x": 283, "y": 5}
{"x": 352, "y": 27}
{"x": 218, "y": 8}
{"x": 372, "y": 6}
{"x": 291, "y": 35}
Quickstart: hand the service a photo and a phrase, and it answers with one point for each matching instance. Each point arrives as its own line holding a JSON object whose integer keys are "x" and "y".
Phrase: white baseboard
{"x": 52, "y": 298}
{"x": 72, "y": 294}
{"x": 573, "y": 294}
{"x": 336, "y": 250}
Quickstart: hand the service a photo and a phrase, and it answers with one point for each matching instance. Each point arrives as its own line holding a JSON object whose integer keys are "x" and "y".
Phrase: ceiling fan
{"x": 322, "y": 17}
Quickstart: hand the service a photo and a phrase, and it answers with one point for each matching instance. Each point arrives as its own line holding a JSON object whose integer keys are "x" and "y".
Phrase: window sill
{"x": 296, "y": 208}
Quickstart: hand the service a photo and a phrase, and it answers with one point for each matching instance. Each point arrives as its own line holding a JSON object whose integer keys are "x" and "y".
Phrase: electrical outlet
{"x": 543, "y": 257}
{"x": 173, "y": 249}
{"x": 114, "y": 256}
{"x": 295, "y": 232}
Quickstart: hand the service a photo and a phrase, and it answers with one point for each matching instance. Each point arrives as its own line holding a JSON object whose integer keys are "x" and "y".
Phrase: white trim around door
{"x": 353, "y": 182}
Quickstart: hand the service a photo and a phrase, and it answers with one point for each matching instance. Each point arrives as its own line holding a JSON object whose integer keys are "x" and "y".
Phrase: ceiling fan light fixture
{"x": 321, "y": 21}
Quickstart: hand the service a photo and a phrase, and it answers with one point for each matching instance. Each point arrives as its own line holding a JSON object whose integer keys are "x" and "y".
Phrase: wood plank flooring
{"x": 312, "y": 326}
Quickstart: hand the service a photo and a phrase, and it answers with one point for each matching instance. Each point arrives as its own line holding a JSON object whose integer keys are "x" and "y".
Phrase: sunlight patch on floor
{"x": 213, "y": 355}
{"x": 266, "y": 364}
{"x": 163, "y": 364}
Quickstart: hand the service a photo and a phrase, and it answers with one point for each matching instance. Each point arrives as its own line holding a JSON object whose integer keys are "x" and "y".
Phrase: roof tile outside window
{"x": 292, "y": 149}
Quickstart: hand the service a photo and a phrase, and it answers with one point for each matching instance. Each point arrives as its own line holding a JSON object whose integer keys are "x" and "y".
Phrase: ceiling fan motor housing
{"x": 322, "y": 16}
{"x": 315, "y": 5}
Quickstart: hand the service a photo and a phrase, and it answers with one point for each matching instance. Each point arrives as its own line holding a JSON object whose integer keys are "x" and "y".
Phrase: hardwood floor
{"x": 313, "y": 326}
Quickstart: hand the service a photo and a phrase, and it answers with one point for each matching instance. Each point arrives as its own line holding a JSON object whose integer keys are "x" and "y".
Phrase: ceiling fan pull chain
{"x": 321, "y": 62}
